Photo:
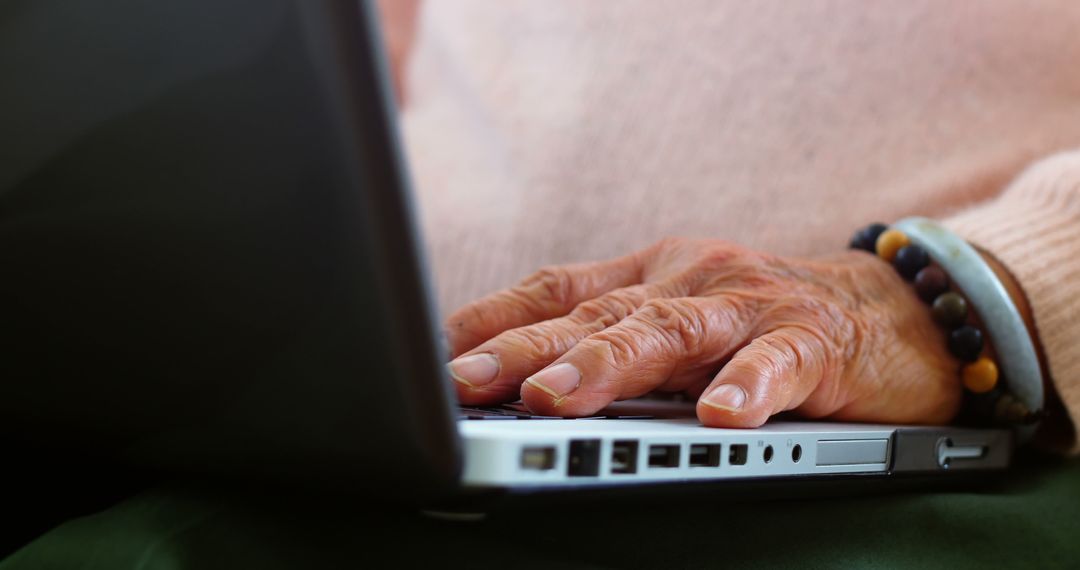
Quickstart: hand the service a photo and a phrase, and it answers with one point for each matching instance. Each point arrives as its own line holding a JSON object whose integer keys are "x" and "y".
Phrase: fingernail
{"x": 475, "y": 370}
{"x": 728, "y": 397}
{"x": 557, "y": 381}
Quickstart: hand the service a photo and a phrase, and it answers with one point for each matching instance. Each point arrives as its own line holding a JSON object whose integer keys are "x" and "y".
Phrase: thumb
{"x": 775, "y": 372}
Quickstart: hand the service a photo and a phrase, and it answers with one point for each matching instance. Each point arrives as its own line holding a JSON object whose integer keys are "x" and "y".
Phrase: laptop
{"x": 212, "y": 268}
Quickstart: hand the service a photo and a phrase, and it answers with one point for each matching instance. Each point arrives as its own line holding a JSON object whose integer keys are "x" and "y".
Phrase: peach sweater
{"x": 552, "y": 131}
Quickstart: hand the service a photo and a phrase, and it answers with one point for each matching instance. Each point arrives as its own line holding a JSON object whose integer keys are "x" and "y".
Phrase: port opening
{"x": 705, "y": 455}
{"x": 663, "y": 456}
{"x": 737, "y": 454}
{"x": 584, "y": 458}
{"x": 538, "y": 458}
{"x": 767, "y": 454}
{"x": 624, "y": 456}
{"x": 796, "y": 453}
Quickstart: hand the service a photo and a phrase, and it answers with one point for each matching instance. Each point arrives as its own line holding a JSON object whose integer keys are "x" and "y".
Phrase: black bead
{"x": 966, "y": 343}
{"x": 910, "y": 260}
{"x": 866, "y": 238}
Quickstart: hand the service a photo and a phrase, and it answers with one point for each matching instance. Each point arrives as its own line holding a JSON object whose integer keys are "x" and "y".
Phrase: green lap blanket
{"x": 1030, "y": 518}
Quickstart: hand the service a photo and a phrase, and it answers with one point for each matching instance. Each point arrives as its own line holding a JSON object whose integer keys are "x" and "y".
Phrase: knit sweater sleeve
{"x": 1033, "y": 228}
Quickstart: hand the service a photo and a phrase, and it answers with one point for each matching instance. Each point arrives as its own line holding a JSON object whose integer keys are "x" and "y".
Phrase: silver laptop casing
{"x": 548, "y": 454}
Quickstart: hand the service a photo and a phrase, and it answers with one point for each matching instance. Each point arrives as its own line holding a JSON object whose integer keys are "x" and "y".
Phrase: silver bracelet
{"x": 967, "y": 269}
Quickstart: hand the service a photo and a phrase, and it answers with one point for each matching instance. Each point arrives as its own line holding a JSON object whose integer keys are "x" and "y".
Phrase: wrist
{"x": 969, "y": 300}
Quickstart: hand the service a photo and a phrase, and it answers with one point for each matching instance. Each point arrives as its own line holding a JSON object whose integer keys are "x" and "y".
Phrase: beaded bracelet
{"x": 950, "y": 310}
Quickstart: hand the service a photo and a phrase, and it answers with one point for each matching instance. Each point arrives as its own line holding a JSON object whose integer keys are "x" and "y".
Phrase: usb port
{"x": 705, "y": 455}
{"x": 663, "y": 456}
{"x": 584, "y": 458}
{"x": 737, "y": 454}
{"x": 624, "y": 456}
{"x": 538, "y": 458}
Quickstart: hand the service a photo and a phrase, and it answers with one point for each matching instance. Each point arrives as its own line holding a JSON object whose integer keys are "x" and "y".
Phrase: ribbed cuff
{"x": 1033, "y": 228}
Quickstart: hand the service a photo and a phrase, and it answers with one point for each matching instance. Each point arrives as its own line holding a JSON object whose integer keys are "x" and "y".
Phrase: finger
{"x": 493, "y": 372}
{"x": 776, "y": 371}
{"x": 549, "y": 293}
{"x": 637, "y": 355}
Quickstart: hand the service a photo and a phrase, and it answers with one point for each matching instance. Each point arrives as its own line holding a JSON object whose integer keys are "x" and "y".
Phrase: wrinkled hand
{"x": 748, "y": 333}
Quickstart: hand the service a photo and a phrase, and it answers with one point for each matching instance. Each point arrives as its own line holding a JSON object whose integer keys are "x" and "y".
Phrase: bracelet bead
{"x": 949, "y": 310}
{"x": 910, "y": 260}
{"x": 980, "y": 376}
{"x": 866, "y": 238}
{"x": 890, "y": 242}
{"x": 966, "y": 343}
{"x": 931, "y": 282}
{"x": 1009, "y": 410}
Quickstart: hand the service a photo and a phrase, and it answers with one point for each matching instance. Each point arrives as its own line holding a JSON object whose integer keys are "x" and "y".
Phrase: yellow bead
{"x": 890, "y": 242}
{"x": 980, "y": 376}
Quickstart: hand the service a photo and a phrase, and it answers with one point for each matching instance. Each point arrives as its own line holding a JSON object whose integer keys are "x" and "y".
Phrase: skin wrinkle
{"x": 679, "y": 321}
{"x": 559, "y": 291}
{"x": 617, "y": 304}
{"x": 822, "y": 404}
{"x": 535, "y": 342}
{"x": 618, "y": 346}
{"x": 770, "y": 359}
{"x": 799, "y": 368}
{"x": 557, "y": 285}
{"x": 875, "y": 371}
{"x": 829, "y": 367}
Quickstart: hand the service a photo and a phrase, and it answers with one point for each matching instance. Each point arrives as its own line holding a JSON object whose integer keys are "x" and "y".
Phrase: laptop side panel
{"x": 553, "y": 454}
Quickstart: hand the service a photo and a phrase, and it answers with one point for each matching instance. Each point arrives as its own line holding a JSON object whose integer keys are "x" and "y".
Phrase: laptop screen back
{"x": 208, "y": 258}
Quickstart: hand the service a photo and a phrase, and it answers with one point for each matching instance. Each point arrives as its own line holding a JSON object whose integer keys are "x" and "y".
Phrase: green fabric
{"x": 1030, "y": 518}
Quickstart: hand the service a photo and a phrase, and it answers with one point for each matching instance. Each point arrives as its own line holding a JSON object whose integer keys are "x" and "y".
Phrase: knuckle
{"x": 721, "y": 263}
{"x": 716, "y": 253}
{"x": 780, "y": 352}
{"x": 610, "y": 308}
{"x": 697, "y": 249}
{"x": 555, "y": 284}
{"x": 680, "y": 325}
{"x": 618, "y": 347}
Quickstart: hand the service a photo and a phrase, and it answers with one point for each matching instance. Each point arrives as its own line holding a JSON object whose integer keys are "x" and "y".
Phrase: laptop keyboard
{"x": 518, "y": 411}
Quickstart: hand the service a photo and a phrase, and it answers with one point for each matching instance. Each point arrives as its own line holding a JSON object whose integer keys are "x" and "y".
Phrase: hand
{"x": 749, "y": 334}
